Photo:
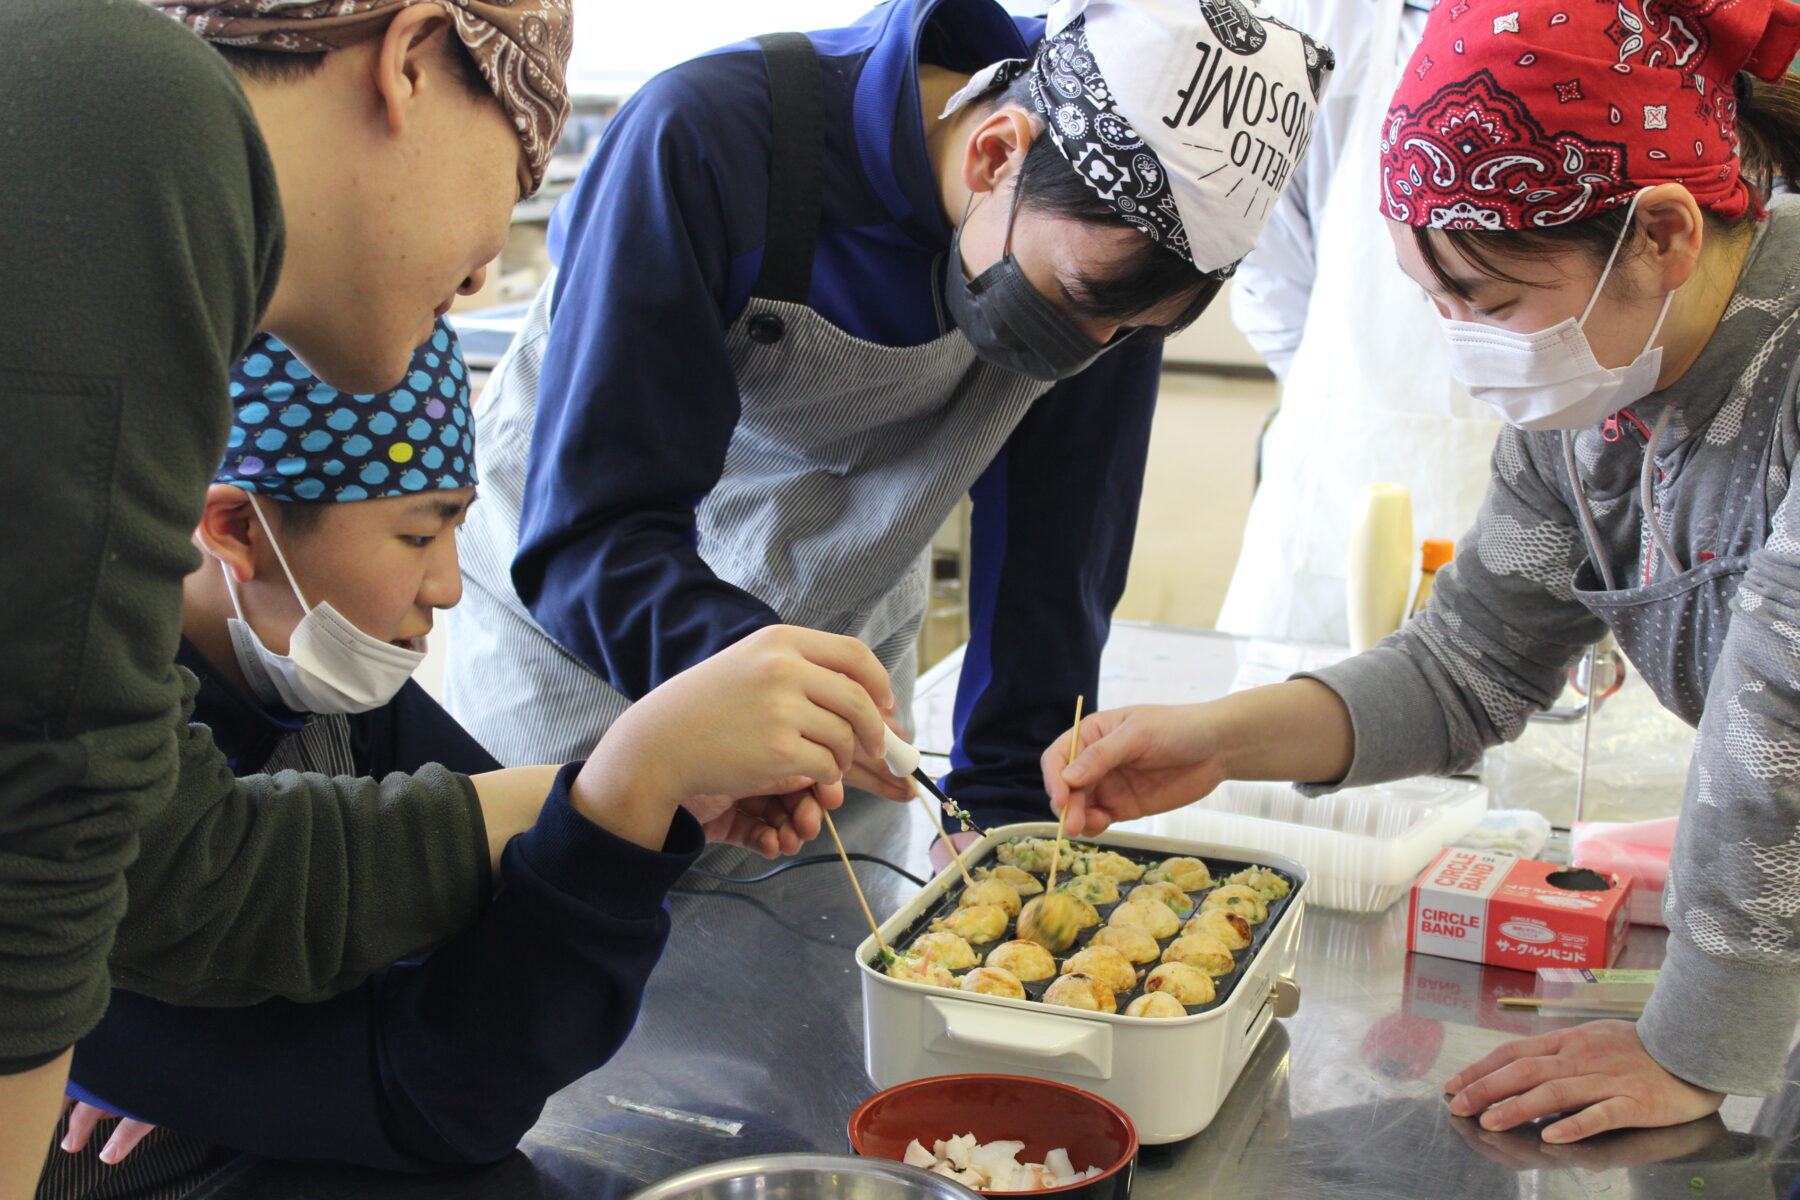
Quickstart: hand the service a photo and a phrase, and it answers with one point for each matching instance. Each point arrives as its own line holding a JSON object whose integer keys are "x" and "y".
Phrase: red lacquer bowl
{"x": 1041, "y": 1114}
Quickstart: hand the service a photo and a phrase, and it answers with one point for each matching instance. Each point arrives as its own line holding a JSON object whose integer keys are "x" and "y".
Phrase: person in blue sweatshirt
{"x": 330, "y": 542}
{"x": 810, "y": 291}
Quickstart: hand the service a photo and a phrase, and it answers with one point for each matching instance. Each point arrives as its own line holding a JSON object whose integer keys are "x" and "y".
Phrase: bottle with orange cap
{"x": 1433, "y": 555}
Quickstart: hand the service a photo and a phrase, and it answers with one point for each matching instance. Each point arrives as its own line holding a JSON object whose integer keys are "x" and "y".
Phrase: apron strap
{"x": 796, "y": 167}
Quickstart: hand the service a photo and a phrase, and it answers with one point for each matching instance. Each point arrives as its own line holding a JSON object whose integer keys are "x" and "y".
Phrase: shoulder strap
{"x": 796, "y": 166}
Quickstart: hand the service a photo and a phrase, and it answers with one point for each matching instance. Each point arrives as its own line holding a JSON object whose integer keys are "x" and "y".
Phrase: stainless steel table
{"x": 755, "y": 1015}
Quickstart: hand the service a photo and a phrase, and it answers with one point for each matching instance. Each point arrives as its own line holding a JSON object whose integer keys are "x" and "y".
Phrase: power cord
{"x": 811, "y": 860}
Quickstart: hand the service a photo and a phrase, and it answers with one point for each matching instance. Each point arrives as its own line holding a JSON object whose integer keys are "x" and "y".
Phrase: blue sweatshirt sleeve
{"x": 637, "y": 400}
{"x": 437, "y": 1063}
{"x": 1053, "y": 523}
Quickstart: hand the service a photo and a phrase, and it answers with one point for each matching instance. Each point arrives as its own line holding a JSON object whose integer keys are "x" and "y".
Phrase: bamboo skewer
{"x": 886, "y": 954}
{"x": 1063, "y": 817}
{"x": 949, "y": 847}
{"x": 1631, "y": 1007}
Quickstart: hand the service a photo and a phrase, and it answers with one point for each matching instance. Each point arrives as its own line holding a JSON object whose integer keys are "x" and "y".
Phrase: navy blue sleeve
{"x": 439, "y": 1063}
{"x": 637, "y": 399}
{"x": 1053, "y": 523}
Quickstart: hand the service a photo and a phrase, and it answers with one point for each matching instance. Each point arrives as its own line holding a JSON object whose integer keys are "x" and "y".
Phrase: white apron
{"x": 1368, "y": 399}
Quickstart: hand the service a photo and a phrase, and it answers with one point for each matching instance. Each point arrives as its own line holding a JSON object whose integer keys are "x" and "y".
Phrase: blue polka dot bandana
{"x": 295, "y": 437}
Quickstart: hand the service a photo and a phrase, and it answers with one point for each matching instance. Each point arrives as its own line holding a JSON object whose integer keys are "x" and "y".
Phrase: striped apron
{"x": 846, "y": 459}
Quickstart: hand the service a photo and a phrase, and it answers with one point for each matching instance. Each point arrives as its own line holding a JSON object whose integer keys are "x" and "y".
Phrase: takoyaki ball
{"x": 1095, "y": 889}
{"x": 1227, "y": 926}
{"x": 1086, "y": 915}
{"x": 977, "y": 923}
{"x": 1023, "y": 882}
{"x": 947, "y": 949}
{"x": 993, "y": 981}
{"x": 1201, "y": 950}
{"x": 1102, "y": 963}
{"x": 1051, "y": 921}
{"x": 917, "y": 968}
{"x": 1187, "y": 984}
{"x": 1023, "y": 960}
{"x": 1188, "y": 874}
{"x": 1113, "y": 865}
{"x": 1179, "y": 902}
{"x": 1152, "y": 1004}
{"x": 1264, "y": 881}
{"x": 1083, "y": 992}
{"x": 1133, "y": 941}
{"x": 1152, "y": 916}
{"x": 1027, "y": 854}
{"x": 1235, "y": 897}
{"x": 997, "y": 892}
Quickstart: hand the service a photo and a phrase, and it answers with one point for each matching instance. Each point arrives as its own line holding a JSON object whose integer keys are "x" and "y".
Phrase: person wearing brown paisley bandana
{"x": 476, "y": 143}
{"x": 333, "y": 174}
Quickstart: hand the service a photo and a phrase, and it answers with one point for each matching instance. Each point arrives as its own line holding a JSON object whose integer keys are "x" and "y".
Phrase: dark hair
{"x": 1769, "y": 152}
{"x": 1149, "y": 276}
{"x": 281, "y": 66}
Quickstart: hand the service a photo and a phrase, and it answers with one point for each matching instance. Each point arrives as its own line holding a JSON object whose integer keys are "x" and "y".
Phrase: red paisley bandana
{"x": 521, "y": 46}
{"x": 1521, "y": 114}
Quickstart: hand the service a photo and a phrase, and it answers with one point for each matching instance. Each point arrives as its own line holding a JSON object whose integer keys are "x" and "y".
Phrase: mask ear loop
{"x": 279, "y": 556}
{"x": 1606, "y": 271}
{"x": 1012, "y": 214}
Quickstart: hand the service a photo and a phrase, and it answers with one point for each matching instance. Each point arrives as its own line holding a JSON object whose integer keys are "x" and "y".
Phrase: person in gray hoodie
{"x": 1576, "y": 189}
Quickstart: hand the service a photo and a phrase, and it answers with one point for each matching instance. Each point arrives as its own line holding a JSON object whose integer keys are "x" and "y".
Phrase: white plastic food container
{"x": 1170, "y": 1075}
{"x": 1364, "y": 846}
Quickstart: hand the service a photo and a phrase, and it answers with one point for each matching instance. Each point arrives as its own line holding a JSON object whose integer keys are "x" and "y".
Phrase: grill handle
{"x": 1037, "y": 1042}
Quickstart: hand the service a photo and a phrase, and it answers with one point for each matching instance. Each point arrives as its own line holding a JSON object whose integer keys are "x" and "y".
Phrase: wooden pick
{"x": 886, "y": 954}
{"x": 1062, "y": 818}
{"x": 1623, "y": 1007}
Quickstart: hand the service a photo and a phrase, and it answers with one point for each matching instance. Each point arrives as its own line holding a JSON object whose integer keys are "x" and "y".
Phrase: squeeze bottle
{"x": 1379, "y": 566}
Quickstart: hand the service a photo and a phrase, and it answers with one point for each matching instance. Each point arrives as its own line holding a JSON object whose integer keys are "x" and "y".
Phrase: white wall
{"x": 618, "y": 45}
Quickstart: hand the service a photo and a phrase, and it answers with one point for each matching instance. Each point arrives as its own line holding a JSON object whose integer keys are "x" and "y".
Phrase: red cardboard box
{"x": 1499, "y": 909}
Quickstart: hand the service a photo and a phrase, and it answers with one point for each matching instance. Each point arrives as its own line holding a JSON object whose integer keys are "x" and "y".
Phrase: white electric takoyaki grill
{"x": 1171, "y": 1075}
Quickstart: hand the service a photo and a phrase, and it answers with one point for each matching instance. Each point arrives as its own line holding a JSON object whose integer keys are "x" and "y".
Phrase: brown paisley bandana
{"x": 521, "y": 46}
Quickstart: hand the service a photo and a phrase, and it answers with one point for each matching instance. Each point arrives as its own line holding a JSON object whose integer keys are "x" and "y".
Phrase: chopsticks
{"x": 887, "y": 956}
{"x": 1063, "y": 817}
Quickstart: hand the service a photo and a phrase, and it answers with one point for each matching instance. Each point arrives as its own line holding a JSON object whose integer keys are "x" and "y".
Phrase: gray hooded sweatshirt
{"x": 1718, "y": 641}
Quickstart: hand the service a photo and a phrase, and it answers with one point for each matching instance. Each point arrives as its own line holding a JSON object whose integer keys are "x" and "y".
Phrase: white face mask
{"x": 1550, "y": 379}
{"x": 331, "y": 666}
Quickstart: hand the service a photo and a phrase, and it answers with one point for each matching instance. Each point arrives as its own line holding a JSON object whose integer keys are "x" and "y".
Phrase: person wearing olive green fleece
{"x": 145, "y": 188}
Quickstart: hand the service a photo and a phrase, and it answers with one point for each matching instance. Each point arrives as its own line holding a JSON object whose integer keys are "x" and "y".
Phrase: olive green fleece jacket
{"x": 140, "y": 241}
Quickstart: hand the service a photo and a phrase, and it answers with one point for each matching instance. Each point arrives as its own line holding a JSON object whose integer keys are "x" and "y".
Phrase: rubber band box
{"x": 1505, "y": 911}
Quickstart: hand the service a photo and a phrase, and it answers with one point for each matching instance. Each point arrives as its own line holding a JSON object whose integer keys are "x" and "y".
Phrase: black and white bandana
{"x": 1111, "y": 157}
{"x": 1226, "y": 92}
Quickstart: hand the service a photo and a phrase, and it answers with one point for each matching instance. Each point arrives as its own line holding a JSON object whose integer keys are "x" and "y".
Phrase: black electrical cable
{"x": 811, "y": 860}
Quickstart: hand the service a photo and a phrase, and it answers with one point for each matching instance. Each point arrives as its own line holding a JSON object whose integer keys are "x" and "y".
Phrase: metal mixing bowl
{"x": 806, "y": 1177}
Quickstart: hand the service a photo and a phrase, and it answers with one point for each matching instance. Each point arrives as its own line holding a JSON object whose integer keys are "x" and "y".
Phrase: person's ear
{"x": 405, "y": 62}
{"x": 1670, "y": 218}
{"x": 996, "y": 148}
{"x": 229, "y": 531}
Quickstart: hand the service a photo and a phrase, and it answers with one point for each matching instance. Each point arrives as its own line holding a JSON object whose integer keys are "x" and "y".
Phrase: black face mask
{"x": 1008, "y": 321}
